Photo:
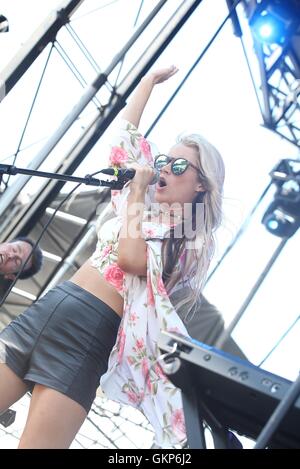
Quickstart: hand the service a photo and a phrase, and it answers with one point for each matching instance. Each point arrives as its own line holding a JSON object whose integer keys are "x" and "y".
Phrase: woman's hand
{"x": 135, "y": 108}
{"x": 142, "y": 178}
{"x": 161, "y": 75}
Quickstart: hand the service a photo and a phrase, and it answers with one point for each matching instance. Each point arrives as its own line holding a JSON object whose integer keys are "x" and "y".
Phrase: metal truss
{"x": 19, "y": 218}
{"x": 115, "y": 101}
{"x": 279, "y": 89}
{"x": 69, "y": 241}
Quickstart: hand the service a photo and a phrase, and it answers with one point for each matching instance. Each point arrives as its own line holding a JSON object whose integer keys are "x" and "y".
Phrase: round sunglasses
{"x": 178, "y": 165}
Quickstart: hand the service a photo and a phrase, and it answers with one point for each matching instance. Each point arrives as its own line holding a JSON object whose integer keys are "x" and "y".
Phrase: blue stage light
{"x": 266, "y": 31}
{"x": 268, "y": 28}
{"x": 274, "y": 21}
{"x": 279, "y": 222}
{"x": 273, "y": 224}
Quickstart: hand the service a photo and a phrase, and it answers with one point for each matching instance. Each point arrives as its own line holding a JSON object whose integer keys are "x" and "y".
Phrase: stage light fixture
{"x": 3, "y": 24}
{"x": 274, "y": 21}
{"x": 279, "y": 222}
{"x": 282, "y": 217}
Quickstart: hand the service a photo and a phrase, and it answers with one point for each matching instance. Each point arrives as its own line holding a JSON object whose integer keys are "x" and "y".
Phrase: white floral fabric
{"x": 134, "y": 376}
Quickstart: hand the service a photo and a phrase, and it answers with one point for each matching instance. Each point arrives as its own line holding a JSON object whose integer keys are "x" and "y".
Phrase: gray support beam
{"x": 91, "y": 135}
{"x": 70, "y": 260}
{"x": 226, "y": 334}
{"x": 33, "y": 47}
{"x": 89, "y": 93}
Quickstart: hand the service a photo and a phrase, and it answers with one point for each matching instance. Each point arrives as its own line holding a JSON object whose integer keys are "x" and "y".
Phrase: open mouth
{"x": 162, "y": 182}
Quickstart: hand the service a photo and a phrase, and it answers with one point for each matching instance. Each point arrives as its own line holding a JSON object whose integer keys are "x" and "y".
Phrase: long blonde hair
{"x": 201, "y": 248}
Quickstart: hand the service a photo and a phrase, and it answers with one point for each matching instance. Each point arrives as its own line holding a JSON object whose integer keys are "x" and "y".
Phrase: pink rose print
{"x": 159, "y": 372}
{"x": 150, "y": 295}
{"x": 145, "y": 368}
{"x": 145, "y": 149}
{"x": 161, "y": 288}
{"x": 146, "y": 374}
{"x": 106, "y": 250}
{"x": 130, "y": 360}
{"x": 149, "y": 233}
{"x": 118, "y": 156}
{"x": 132, "y": 317}
{"x": 178, "y": 424}
{"x": 174, "y": 329}
{"x": 132, "y": 396}
{"x": 114, "y": 275}
{"x": 139, "y": 344}
{"x": 121, "y": 344}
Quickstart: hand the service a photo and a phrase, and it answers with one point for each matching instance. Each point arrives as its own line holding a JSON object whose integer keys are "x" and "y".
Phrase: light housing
{"x": 4, "y": 28}
{"x": 282, "y": 217}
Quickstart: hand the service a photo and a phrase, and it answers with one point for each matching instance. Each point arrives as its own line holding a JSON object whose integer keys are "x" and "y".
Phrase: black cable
{"x": 93, "y": 11}
{"x": 40, "y": 236}
{"x": 138, "y": 13}
{"x": 192, "y": 68}
{"x": 83, "y": 48}
{"x": 123, "y": 58}
{"x": 279, "y": 341}
{"x": 31, "y": 109}
{"x": 72, "y": 67}
{"x": 86, "y": 53}
{"x": 55, "y": 239}
{"x": 251, "y": 76}
{"x": 240, "y": 232}
{"x": 278, "y": 415}
{"x": 5, "y": 158}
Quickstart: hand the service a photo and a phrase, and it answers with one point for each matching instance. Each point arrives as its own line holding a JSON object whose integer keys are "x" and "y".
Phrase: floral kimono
{"x": 134, "y": 375}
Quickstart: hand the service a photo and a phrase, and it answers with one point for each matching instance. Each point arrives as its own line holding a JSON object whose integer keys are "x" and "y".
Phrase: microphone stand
{"x": 8, "y": 417}
{"x": 88, "y": 179}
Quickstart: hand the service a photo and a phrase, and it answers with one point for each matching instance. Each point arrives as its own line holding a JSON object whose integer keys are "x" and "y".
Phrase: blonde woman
{"x": 160, "y": 239}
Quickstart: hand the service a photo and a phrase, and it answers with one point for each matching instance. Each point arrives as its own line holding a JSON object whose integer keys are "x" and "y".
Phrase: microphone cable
{"x": 40, "y": 236}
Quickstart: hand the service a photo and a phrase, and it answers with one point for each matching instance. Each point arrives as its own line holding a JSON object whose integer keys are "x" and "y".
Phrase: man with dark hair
{"x": 13, "y": 256}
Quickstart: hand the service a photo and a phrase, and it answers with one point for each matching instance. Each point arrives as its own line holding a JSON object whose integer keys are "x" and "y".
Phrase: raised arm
{"x": 132, "y": 250}
{"x": 137, "y": 103}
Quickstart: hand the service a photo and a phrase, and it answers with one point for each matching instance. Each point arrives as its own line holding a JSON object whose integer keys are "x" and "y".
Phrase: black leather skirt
{"x": 62, "y": 341}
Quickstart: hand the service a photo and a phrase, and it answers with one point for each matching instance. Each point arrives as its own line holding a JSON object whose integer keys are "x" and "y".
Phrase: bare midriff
{"x": 88, "y": 278}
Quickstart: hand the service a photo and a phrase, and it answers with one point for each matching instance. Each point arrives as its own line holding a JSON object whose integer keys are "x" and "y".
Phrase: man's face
{"x": 12, "y": 257}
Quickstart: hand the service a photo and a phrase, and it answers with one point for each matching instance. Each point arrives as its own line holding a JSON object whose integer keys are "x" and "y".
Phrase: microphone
{"x": 128, "y": 173}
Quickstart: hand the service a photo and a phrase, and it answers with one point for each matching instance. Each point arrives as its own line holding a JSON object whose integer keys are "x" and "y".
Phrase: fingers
{"x": 143, "y": 175}
{"x": 161, "y": 75}
{"x": 172, "y": 70}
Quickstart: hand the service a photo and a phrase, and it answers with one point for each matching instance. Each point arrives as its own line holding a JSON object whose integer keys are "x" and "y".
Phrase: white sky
{"x": 217, "y": 101}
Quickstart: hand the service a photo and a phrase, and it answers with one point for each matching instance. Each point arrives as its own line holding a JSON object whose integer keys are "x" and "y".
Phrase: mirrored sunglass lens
{"x": 179, "y": 166}
{"x": 160, "y": 162}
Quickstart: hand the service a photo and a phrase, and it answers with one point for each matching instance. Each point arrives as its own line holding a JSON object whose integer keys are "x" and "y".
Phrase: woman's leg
{"x": 53, "y": 420}
{"x": 12, "y": 388}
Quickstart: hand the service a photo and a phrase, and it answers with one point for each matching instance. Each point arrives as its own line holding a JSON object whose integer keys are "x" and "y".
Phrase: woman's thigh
{"x": 12, "y": 388}
{"x": 53, "y": 420}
